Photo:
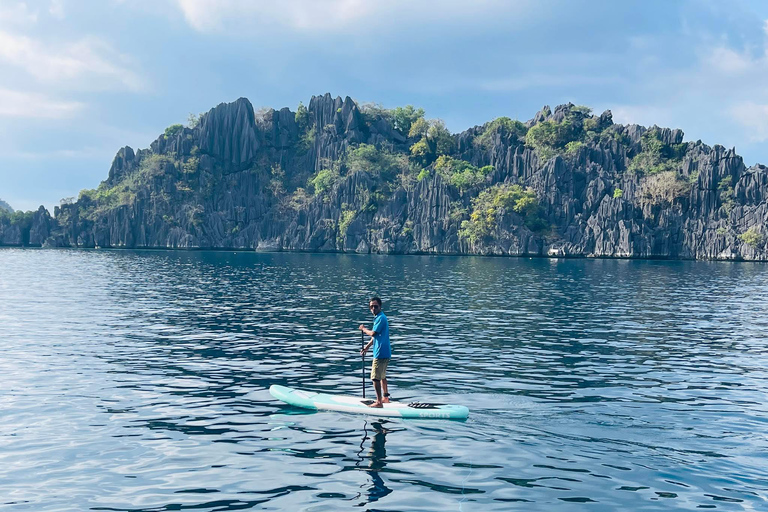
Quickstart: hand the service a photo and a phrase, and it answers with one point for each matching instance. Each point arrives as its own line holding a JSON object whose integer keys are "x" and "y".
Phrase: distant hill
{"x": 5, "y": 206}
{"x": 336, "y": 176}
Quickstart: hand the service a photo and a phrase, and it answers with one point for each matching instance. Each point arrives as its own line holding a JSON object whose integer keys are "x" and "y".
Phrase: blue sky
{"x": 80, "y": 79}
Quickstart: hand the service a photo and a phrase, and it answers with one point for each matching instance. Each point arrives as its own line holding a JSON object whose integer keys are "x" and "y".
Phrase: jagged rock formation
{"x": 242, "y": 179}
{"x": 5, "y": 207}
{"x": 26, "y": 229}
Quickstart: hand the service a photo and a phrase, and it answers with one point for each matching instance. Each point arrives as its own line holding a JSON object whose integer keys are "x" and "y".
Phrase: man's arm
{"x": 367, "y": 346}
{"x": 368, "y": 332}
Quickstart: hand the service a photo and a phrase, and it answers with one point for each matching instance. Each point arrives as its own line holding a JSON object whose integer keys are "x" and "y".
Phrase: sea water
{"x": 137, "y": 381}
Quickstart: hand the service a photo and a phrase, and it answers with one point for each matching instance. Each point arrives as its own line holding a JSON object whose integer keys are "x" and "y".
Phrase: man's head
{"x": 375, "y": 305}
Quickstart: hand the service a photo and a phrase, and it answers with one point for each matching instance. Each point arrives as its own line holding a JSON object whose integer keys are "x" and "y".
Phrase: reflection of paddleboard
{"x": 321, "y": 401}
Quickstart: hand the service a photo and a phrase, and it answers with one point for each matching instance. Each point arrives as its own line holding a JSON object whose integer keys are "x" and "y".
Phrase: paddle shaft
{"x": 362, "y": 345}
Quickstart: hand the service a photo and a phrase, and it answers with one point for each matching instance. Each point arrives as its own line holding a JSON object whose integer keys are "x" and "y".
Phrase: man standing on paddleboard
{"x": 382, "y": 351}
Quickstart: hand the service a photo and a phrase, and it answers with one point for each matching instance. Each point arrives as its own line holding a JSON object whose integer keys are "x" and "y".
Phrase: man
{"x": 382, "y": 351}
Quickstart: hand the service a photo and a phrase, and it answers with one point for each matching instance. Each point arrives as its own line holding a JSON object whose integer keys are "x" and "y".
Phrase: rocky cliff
{"x": 26, "y": 228}
{"x": 336, "y": 176}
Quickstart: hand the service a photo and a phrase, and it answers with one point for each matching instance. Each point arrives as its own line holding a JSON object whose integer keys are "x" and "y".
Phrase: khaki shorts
{"x": 379, "y": 369}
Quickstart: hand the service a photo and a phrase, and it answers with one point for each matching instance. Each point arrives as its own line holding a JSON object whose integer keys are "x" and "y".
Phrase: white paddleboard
{"x": 353, "y": 404}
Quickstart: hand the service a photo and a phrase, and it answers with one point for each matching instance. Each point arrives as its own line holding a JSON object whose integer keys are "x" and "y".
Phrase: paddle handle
{"x": 362, "y": 346}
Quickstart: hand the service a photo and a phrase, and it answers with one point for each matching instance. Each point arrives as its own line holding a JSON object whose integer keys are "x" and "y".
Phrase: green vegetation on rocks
{"x": 434, "y": 140}
{"x": 490, "y": 204}
{"x": 725, "y": 193}
{"x": 460, "y": 173}
{"x": 95, "y": 202}
{"x": 373, "y": 111}
{"x": 377, "y": 162}
{"x": 302, "y": 117}
{"x": 656, "y": 156}
{"x": 550, "y": 138}
{"x": 503, "y": 126}
{"x": 663, "y": 188}
{"x": 388, "y": 168}
{"x": 347, "y": 216}
{"x": 307, "y": 140}
{"x": 17, "y": 218}
{"x": 404, "y": 117}
{"x": 326, "y": 183}
{"x": 324, "y": 180}
{"x": 173, "y": 130}
{"x": 193, "y": 120}
{"x": 751, "y": 237}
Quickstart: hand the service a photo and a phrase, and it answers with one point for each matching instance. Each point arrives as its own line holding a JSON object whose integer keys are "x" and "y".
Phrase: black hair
{"x": 375, "y": 299}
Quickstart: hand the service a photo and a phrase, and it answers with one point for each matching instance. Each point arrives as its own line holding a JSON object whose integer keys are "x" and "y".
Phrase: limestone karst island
{"x": 336, "y": 176}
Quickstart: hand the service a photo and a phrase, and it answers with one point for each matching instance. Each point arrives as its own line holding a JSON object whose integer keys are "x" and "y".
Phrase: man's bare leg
{"x": 377, "y": 387}
{"x": 385, "y": 391}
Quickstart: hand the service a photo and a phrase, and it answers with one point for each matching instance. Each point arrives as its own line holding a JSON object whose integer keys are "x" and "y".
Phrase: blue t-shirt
{"x": 381, "y": 348}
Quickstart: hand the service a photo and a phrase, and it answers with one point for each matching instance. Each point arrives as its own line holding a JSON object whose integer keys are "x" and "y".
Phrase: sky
{"x": 79, "y": 79}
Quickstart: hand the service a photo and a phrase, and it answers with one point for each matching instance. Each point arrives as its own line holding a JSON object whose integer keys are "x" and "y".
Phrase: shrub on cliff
{"x": 345, "y": 219}
{"x": 372, "y": 112}
{"x": 302, "y": 117}
{"x": 725, "y": 194}
{"x": 751, "y": 237}
{"x": 434, "y": 140}
{"x": 307, "y": 140}
{"x": 17, "y": 218}
{"x": 323, "y": 180}
{"x": 663, "y": 188}
{"x": 404, "y": 117}
{"x": 502, "y": 126}
{"x": 193, "y": 120}
{"x": 173, "y": 130}
{"x": 550, "y": 137}
{"x": 460, "y": 173}
{"x": 296, "y": 201}
{"x": 94, "y": 202}
{"x": 376, "y": 162}
{"x": 491, "y": 203}
{"x": 655, "y": 156}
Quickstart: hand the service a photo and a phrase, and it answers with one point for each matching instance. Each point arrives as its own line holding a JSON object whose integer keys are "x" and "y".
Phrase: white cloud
{"x": 57, "y": 9}
{"x": 731, "y": 62}
{"x": 16, "y": 14}
{"x": 212, "y": 15}
{"x": 536, "y": 80}
{"x": 719, "y": 96}
{"x": 31, "y": 105}
{"x": 332, "y": 15}
{"x": 86, "y": 153}
{"x": 88, "y": 63}
{"x": 754, "y": 117}
{"x": 645, "y": 115}
{"x": 730, "y": 84}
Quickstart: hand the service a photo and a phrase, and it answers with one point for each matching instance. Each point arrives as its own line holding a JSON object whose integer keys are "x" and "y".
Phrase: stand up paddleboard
{"x": 353, "y": 404}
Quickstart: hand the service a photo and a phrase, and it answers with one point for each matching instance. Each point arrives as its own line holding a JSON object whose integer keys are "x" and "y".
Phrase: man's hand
{"x": 363, "y": 350}
{"x": 362, "y": 327}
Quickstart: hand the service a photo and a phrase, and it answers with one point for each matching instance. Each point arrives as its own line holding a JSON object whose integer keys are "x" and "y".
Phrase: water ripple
{"x": 137, "y": 381}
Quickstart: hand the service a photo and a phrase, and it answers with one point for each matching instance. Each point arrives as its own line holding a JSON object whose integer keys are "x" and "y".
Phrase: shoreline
{"x": 353, "y": 253}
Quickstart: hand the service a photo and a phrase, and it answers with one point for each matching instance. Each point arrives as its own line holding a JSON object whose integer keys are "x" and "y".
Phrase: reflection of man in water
{"x": 377, "y": 455}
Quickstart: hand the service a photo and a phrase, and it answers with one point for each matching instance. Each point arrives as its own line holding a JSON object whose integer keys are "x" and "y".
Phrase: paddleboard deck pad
{"x": 354, "y": 404}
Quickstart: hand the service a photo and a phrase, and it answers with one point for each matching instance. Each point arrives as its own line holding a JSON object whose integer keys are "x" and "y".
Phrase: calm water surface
{"x": 137, "y": 381}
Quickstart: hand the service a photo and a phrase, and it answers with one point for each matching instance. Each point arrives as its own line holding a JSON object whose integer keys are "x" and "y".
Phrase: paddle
{"x": 362, "y": 345}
